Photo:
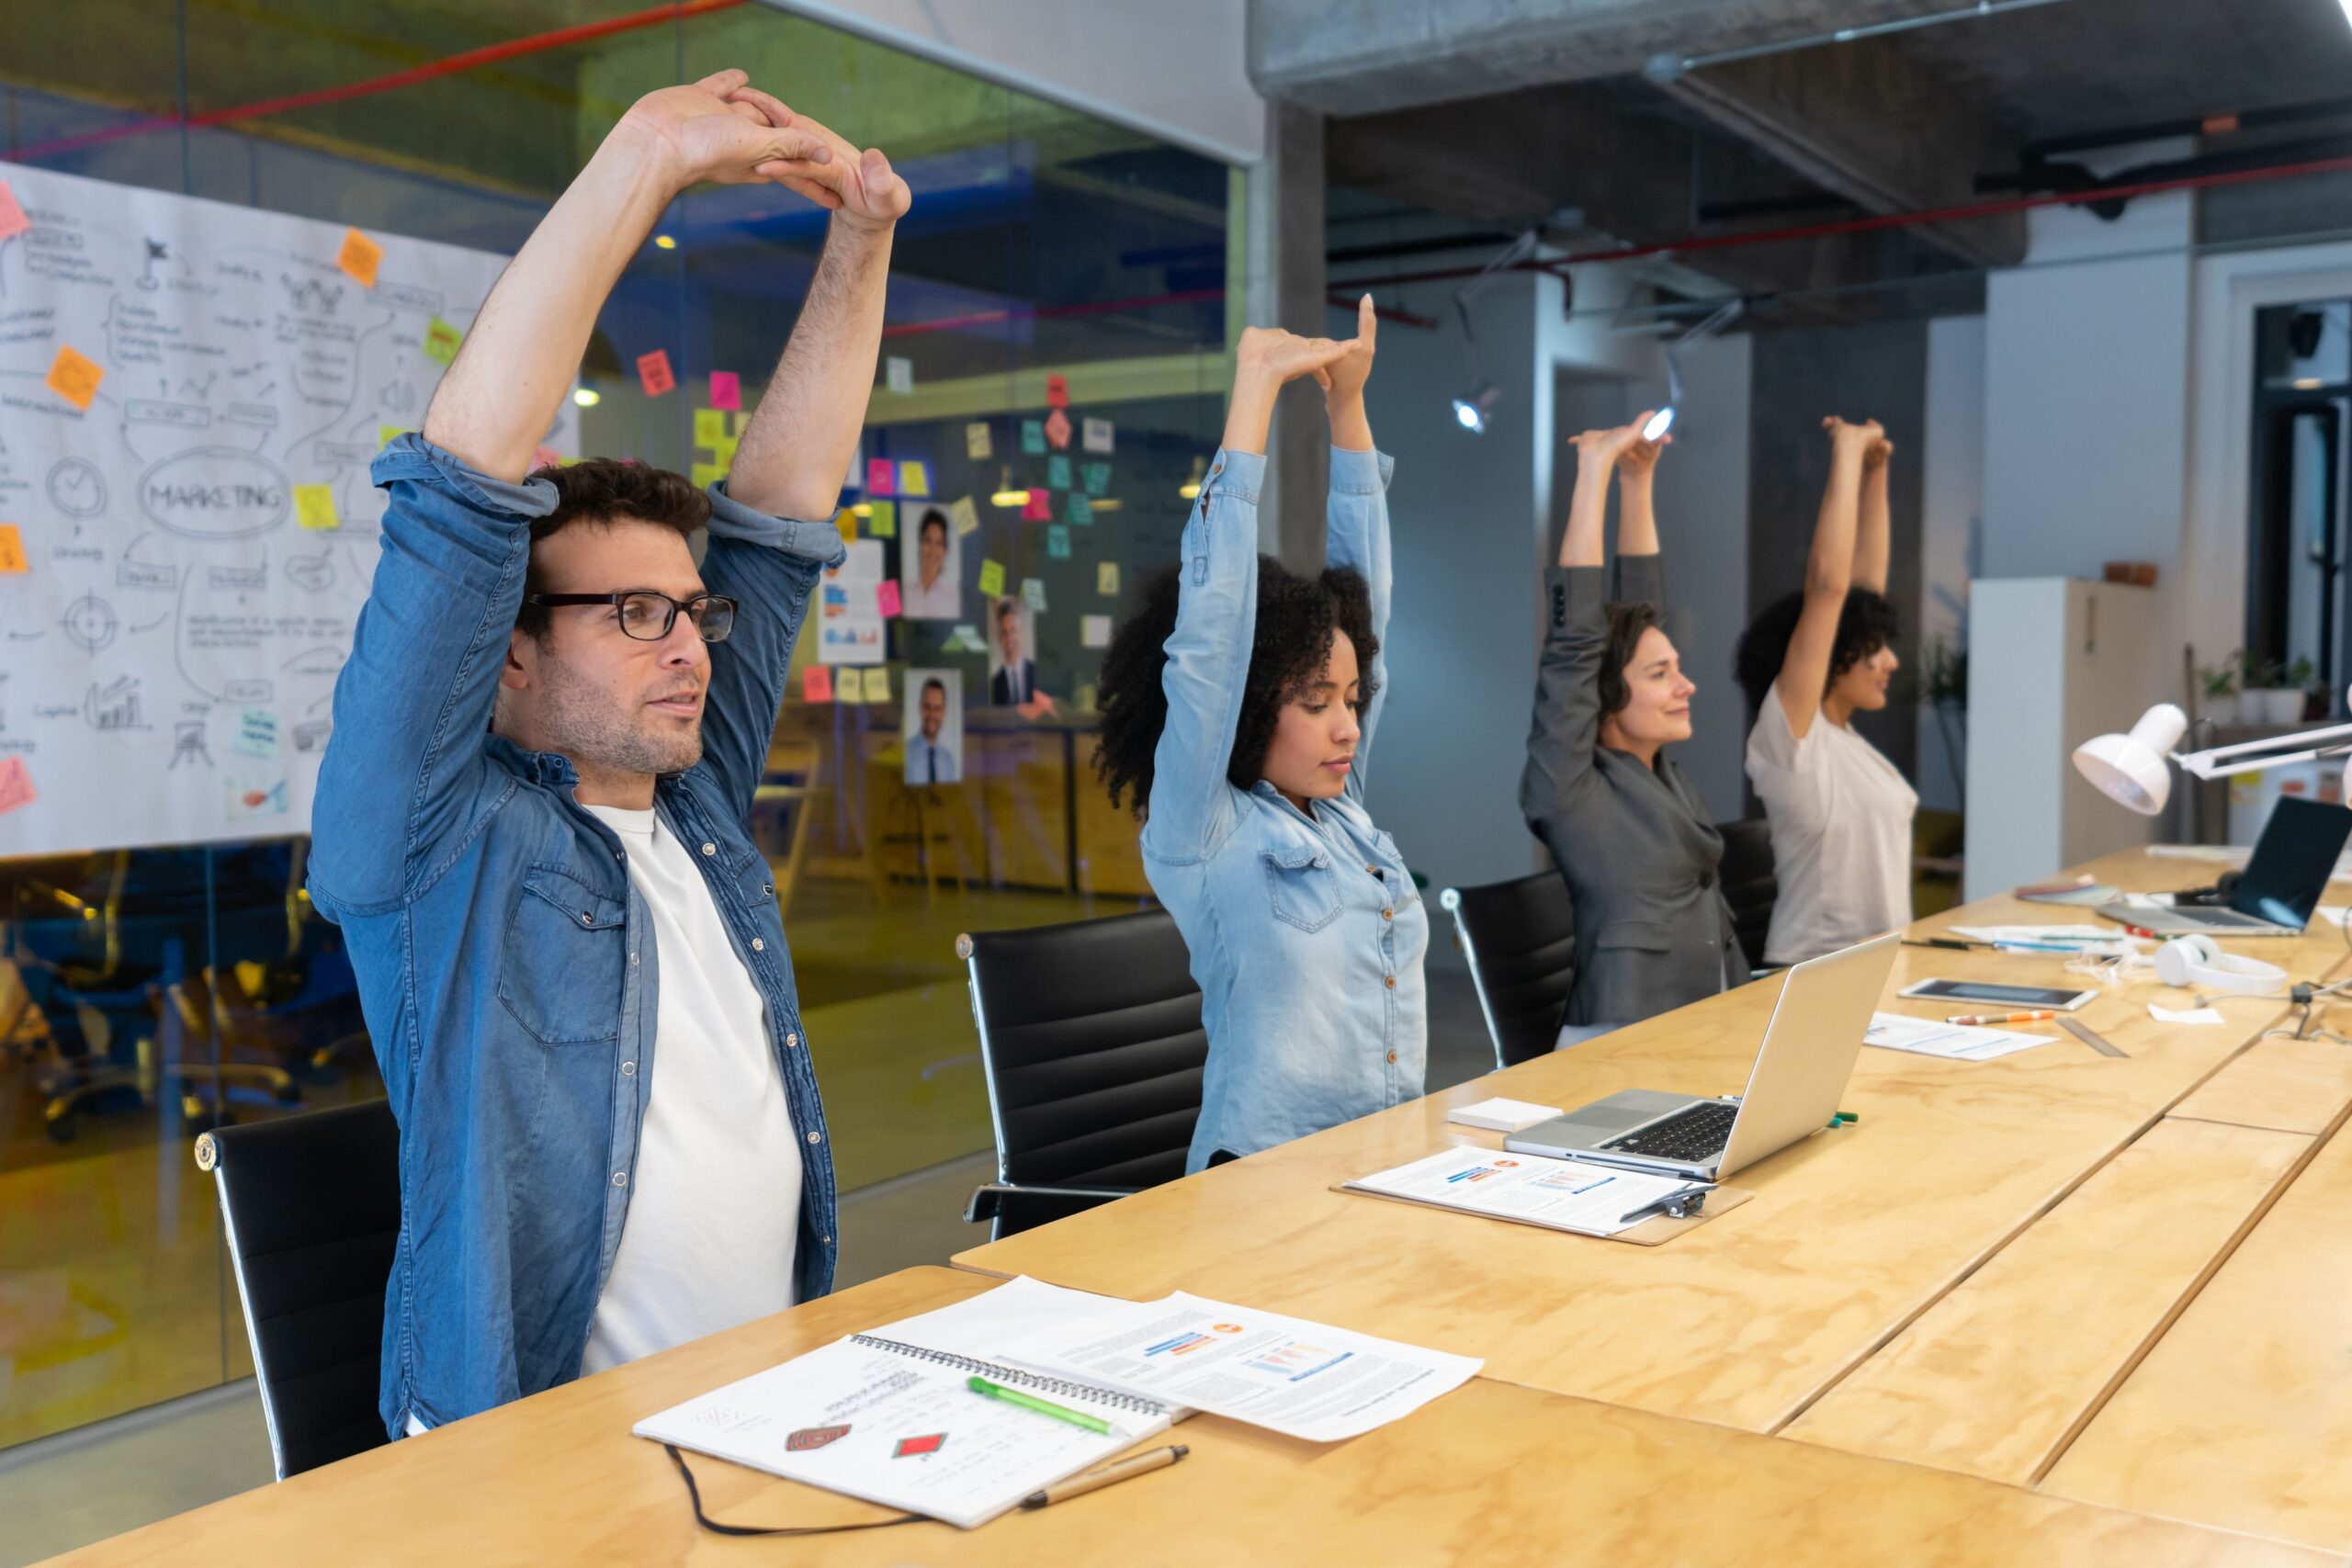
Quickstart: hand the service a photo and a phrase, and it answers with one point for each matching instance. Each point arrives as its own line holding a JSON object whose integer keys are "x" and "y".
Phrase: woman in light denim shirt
{"x": 1239, "y": 706}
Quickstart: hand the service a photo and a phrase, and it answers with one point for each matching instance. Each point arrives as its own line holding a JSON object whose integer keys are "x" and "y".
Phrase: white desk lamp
{"x": 2130, "y": 769}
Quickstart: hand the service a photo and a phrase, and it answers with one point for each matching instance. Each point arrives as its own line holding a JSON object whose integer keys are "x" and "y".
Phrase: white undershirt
{"x": 714, "y": 1207}
{"x": 1841, "y": 834}
{"x": 713, "y": 1211}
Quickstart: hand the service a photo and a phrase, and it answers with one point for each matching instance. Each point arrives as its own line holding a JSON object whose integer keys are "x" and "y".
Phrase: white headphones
{"x": 2196, "y": 963}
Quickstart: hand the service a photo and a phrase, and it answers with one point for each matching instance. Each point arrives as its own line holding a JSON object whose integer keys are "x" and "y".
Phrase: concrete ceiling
{"x": 1503, "y": 112}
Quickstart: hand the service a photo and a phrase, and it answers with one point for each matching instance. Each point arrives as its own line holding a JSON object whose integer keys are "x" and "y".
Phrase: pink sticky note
{"x": 881, "y": 476}
{"x": 1056, "y": 392}
{"x": 15, "y": 784}
{"x": 725, "y": 390}
{"x": 13, "y": 220}
{"x": 653, "y": 369}
{"x": 1039, "y": 507}
{"x": 546, "y": 458}
{"x": 887, "y": 595}
{"x": 1058, "y": 430}
{"x": 817, "y": 683}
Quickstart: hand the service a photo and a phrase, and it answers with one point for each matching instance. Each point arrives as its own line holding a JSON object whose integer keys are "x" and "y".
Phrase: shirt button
{"x": 1374, "y": 869}
{"x": 816, "y": 1138}
{"x": 825, "y": 1240}
{"x": 1392, "y": 1057}
{"x": 793, "y": 1041}
{"x": 587, "y": 918}
{"x": 629, "y": 1069}
{"x": 632, "y": 958}
{"x": 767, "y": 888}
{"x": 710, "y": 848}
{"x": 1388, "y": 914}
{"x": 620, "y": 1178}
{"x": 758, "y": 945}
{"x": 1389, "y": 981}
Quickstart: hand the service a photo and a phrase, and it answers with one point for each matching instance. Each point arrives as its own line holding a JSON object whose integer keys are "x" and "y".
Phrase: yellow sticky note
{"x": 314, "y": 505}
{"x": 882, "y": 519}
{"x": 75, "y": 377}
{"x": 914, "y": 478}
{"x": 723, "y": 452}
{"x": 359, "y": 257}
{"x": 847, "y": 523}
{"x": 441, "y": 340}
{"x": 710, "y": 427}
{"x": 1106, "y": 578}
{"x": 991, "y": 578}
{"x": 705, "y": 475}
{"x": 877, "y": 685}
{"x": 12, "y": 551}
{"x": 966, "y": 515}
{"x": 386, "y": 433}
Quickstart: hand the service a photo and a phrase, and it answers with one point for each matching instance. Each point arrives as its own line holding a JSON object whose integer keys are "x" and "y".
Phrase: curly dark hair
{"x": 1867, "y": 624}
{"x": 1296, "y": 618}
{"x": 601, "y": 490}
{"x": 1627, "y": 622}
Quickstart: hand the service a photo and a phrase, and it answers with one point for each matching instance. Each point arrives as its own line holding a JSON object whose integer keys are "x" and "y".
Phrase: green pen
{"x": 1029, "y": 1402}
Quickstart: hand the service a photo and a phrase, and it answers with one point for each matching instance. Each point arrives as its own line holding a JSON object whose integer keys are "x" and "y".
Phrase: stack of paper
{"x": 1958, "y": 1041}
{"x": 1562, "y": 1194}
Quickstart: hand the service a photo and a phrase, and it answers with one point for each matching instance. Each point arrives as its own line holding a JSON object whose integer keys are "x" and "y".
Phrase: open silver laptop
{"x": 1816, "y": 1032}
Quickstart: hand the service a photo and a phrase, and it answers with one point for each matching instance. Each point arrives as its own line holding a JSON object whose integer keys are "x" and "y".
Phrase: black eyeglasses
{"x": 647, "y": 616}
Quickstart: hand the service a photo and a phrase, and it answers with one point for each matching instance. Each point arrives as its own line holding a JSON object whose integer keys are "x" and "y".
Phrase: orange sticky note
{"x": 653, "y": 371}
{"x": 817, "y": 683}
{"x": 13, "y": 220}
{"x": 12, "y": 551}
{"x": 75, "y": 377}
{"x": 1056, "y": 392}
{"x": 359, "y": 256}
{"x": 15, "y": 784}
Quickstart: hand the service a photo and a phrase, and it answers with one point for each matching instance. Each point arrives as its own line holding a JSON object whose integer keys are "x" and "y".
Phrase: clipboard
{"x": 1650, "y": 1233}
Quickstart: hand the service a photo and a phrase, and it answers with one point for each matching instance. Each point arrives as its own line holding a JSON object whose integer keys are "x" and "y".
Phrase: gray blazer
{"x": 1651, "y": 929}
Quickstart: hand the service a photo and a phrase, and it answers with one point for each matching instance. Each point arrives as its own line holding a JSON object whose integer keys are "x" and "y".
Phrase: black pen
{"x": 1952, "y": 943}
{"x": 1668, "y": 1200}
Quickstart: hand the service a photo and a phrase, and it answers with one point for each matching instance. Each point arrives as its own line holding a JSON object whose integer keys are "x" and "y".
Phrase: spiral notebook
{"x": 888, "y": 1415}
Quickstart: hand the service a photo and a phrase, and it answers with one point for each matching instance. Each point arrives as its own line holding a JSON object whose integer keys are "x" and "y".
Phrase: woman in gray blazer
{"x": 1626, "y": 828}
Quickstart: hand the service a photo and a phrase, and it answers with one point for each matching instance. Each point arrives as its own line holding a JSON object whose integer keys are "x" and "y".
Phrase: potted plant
{"x": 2263, "y": 695}
{"x": 2217, "y": 690}
{"x": 2304, "y": 675}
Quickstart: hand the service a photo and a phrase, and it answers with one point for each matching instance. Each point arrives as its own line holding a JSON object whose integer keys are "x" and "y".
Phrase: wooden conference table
{"x": 2018, "y": 1312}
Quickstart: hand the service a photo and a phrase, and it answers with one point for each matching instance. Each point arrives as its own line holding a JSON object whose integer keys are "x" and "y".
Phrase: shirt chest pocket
{"x": 561, "y": 970}
{"x": 1303, "y": 886}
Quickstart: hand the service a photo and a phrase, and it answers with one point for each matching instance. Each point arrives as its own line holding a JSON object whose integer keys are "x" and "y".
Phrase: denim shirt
{"x": 505, "y": 962}
{"x": 1305, "y": 932}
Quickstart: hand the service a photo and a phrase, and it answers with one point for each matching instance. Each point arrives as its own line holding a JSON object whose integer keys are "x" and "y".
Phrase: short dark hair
{"x": 933, "y": 518}
{"x": 934, "y": 684}
{"x": 604, "y": 490}
{"x": 1627, "y": 622}
{"x": 1297, "y": 617}
{"x": 1007, "y": 606}
{"x": 1867, "y": 623}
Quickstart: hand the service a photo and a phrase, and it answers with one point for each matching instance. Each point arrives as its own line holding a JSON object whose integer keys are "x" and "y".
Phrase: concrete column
{"x": 1285, "y": 288}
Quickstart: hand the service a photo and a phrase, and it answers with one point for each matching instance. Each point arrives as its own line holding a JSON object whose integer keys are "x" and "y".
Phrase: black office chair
{"x": 1092, "y": 1042}
{"x": 1520, "y": 938}
{"x": 1750, "y": 883}
{"x": 311, "y": 1205}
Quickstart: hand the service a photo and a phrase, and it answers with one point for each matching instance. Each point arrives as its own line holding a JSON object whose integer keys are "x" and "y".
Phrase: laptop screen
{"x": 2293, "y": 862}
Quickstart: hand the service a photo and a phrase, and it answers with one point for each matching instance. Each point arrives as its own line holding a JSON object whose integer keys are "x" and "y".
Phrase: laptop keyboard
{"x": 1697, "y": 1134}
{"x": 2226, "y": 918}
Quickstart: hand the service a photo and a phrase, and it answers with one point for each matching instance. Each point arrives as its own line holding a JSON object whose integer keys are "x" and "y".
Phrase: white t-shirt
{"x": 713, "y": 1210}
{"x": 1841, "y": 834}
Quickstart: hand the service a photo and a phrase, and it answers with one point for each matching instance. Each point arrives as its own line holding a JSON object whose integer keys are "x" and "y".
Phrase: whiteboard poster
{"x": 190, "y": 394}
{"x": 850, "y": 624}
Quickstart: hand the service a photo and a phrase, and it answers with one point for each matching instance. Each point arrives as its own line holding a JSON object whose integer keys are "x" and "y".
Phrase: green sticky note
{"x": 1058, "y": 542}
{"x": 1032, "y": 436}
{"x": 1033, "y": 593}
{"x": 882, "y": 521}
{"x": 1057, "y": 472}
{"x": 710, "y": 427}
{"x": 1098, "y": 479}
{"x": 705, "y": 475}
{"x": 386, "y": 433}
{"x": 441, "y": 340}
{"x": 1079, "y": 510}
{"x": 991, "y": 578}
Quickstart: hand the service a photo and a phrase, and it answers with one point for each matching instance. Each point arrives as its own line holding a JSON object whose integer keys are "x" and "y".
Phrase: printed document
{"x": 1565, "y": 1194}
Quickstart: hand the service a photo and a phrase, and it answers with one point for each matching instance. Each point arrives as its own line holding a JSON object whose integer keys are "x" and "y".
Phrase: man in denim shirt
{"x": 530, "y": 822}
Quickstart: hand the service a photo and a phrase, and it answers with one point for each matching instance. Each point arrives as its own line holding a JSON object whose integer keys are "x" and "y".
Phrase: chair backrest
{"x": 1092, "y": 1042}
{"x": 311, "y": 1205}
{"x": 1750, "y": 883}
{"x": 1520, "y": 938}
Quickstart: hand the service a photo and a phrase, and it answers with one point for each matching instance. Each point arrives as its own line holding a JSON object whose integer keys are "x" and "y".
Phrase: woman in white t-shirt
{"x": 1841, "y": 812}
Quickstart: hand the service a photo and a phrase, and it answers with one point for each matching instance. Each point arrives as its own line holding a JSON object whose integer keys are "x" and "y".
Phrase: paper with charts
{"x": 190, "y": 394}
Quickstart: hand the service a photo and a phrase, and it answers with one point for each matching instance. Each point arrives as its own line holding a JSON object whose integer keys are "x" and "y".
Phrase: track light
{"x": 1472, "y": 410}
{"x": 586, "y": 396}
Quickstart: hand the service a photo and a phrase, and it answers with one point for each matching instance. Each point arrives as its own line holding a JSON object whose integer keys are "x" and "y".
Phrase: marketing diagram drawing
{"x": 198, "y": 540}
